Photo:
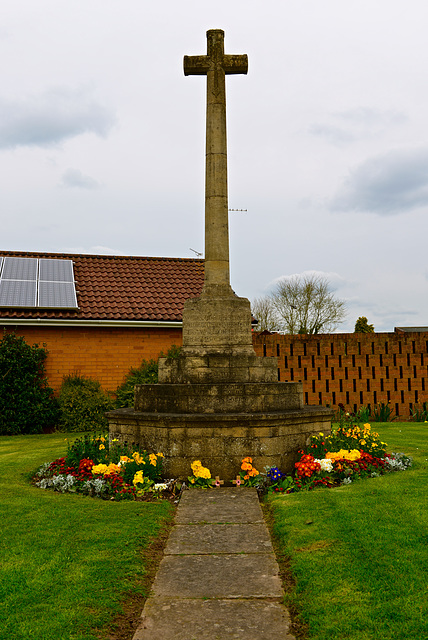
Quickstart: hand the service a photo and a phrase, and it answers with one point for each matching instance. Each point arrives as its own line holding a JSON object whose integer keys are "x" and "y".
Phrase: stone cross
{"x": 218, "y": 482}
{"x": 216, "y": 65}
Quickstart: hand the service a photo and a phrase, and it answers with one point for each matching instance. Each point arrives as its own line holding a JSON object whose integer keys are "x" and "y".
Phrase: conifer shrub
{"x": 83, "y": 404}
{"x": 146, "y": 373}
{"x": 27, "y": 403}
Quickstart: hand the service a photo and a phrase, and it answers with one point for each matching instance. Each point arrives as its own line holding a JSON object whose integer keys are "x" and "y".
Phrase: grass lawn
{"x": 359, "y": 553}
{"x": 68, "y": 562}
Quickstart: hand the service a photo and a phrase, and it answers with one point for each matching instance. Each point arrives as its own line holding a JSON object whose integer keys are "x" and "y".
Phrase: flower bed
{"x": 114, "y": 472}
{"x": 93, "y": 467}
{"x": 349, "y": 453}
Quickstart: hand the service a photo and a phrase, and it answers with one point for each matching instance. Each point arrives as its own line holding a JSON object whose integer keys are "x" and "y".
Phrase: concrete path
{"x": 218, "y": 579}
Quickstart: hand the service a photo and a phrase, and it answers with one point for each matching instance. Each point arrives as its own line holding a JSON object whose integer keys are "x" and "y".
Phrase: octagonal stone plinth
{"x": 220, "y": 441}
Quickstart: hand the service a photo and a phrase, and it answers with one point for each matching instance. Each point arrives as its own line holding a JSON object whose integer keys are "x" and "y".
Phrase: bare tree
{"x": 305, "y": 304}
{"x": 263, "y": 310}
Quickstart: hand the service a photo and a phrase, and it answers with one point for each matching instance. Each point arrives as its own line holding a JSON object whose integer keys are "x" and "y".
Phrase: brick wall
{"x": 105, "y": 354}
{"x": 353, "y": 369}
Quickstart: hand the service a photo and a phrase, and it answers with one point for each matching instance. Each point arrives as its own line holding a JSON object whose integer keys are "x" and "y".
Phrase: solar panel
{"x": 57, "y": 294}
{"x": 56, "y": 270}
{"x": 29, "y": 282}
{"x": 19, "y": 269}
{"x": 18, "y": 293}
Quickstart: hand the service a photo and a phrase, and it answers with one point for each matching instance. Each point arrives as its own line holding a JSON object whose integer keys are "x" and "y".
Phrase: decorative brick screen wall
{"x": 354, "y": 369}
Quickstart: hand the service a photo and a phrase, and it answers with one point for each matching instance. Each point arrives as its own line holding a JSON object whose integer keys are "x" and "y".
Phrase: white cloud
{"x": 51, "y": 117}
{"x": 355, "y": 124}
{"x": 74, "y": 178}
{"x": 333, "y": 278}
{"x": 388, "y": 184}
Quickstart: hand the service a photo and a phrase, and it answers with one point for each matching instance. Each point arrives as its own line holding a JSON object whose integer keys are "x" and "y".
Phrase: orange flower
{"x": 247, "y": 459}
{"x": 246, "y": 477}
{"x": 245, "y": 466}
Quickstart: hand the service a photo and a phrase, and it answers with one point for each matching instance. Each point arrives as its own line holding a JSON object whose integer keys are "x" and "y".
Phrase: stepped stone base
{"x": 221, "y": 440}
{"x": 218, "y": 398}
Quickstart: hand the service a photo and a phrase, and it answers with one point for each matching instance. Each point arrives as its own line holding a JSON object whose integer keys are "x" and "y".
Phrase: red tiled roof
{"x": 121, "y": 288}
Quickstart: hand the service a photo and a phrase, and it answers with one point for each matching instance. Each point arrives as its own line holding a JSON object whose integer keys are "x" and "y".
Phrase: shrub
{"x": 27, "y": 404}
{"x": 83, "y": 404}
{"x": 362, "y": 326}
{"x": 146, "y": 373}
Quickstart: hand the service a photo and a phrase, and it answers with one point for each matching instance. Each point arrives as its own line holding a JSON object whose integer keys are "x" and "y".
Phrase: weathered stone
{"x": 221, "y": 440}
{"x": 218, "y": 576}
{"x": 218, "y": 538}
{"x": 218, "y": 401}
{"x": 220, "y": 619}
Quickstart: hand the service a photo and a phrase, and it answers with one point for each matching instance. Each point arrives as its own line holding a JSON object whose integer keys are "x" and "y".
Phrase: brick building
{"x": 354, "y": 369}
{"x": 126, "y": 309}
{"x": 130, "y": 308}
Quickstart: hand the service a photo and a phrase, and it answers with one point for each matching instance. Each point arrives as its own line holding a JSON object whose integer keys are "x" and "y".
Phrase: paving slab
{"x": 218, "y": 576}
{"x": 218, "y": 579}
{"x": 169, "y": 619}
{"x": 219, "y": 538}
{"x": 219, "y": 506}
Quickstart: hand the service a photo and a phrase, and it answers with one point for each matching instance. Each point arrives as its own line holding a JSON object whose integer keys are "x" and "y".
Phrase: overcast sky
{"x": 102, "y": 139}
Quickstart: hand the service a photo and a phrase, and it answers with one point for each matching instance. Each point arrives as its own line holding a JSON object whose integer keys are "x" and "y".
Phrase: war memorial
{"x": 218, "y": 402}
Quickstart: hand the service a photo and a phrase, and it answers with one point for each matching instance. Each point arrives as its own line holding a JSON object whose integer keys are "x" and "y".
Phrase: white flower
{"x": 346, "y": 481}
{"x": 161, "y": 486}
{"x": 326, "y": 464}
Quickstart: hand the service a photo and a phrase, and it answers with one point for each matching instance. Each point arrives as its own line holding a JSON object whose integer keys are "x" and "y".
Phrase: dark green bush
{"x": 83, "y": 404}
{"x": 27, "y": 403}
{"x": 146, "y": 373}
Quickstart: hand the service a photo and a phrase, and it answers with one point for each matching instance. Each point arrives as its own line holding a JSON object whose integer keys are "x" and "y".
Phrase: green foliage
{"x": 358, "y": 553}
{"x": 146, "y": 373}
{"x": 83, "y": 404}
{"x": 420, "y": 414}
{"x": 83, "y": 557}
{"x": 382, "y": 413}
{"x": 27, "y": 404}
{"x": 362, "y": 326}
{"x": 87, "y": 447}
{"x": 348, "y": 438}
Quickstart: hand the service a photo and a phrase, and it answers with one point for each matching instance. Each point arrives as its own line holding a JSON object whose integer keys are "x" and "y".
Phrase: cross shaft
{"x": 216, "y": 65}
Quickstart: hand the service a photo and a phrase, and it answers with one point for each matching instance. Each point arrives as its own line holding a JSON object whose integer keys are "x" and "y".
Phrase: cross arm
{"x": 235, "y": 64}
{"x": 195, "y": 65}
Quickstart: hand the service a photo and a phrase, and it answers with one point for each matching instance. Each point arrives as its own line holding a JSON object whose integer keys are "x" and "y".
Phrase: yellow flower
{"x": 320, "y": 433}
{"x": 101, "y": 447}
{"x": 138, "y": 477}
{"x": 195, "y": 465}
{"x": 102, "y": 439}
{"x": 99, "y": 468}
{"x": 160, "y": 455}
{"x": 125, "y": 459}
{"x": 138, "y": 457}
{"x": 367, "y": 426}
{"x": 112, "y": 468}
{"x": 354, "y": 454}
{"x": 203, "y": 472}
{"x": 363, "y": 442}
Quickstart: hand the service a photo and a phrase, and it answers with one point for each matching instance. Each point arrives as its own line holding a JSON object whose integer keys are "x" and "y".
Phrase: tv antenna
{"x": 198, "y": 253}
{"x": 245, "y": 210}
